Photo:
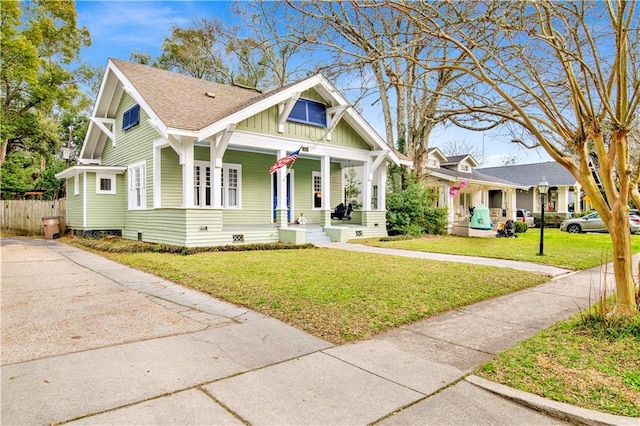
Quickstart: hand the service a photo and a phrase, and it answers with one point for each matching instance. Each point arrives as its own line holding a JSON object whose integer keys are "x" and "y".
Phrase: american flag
{"x": 284, "y": 161}
{"x": 456, "y": 187}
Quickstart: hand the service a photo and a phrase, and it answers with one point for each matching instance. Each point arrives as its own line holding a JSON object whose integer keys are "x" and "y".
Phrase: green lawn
{"x": 574, "y": 251}
{"x": 574, "y": 364}
{"x": 336, "y": 295}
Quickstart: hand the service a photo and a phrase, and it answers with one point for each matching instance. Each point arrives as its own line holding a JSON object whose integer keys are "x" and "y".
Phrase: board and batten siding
{"x": 105, "y": 211}
{"x": 266, "y": 122}
{"x": 74, "y": 203}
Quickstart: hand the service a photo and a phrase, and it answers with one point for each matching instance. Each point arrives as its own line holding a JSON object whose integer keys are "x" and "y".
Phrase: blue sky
{"x": 118, "y": 28}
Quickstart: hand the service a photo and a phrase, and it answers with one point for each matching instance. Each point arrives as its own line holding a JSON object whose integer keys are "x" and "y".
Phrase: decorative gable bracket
{"x": 334, "y": 114}
{"x": 221, "y": 143}
{"x": 380, "y": 157}
{"x": 102, "y": 124}
{"x": 284, "y": 109}
{"x": 173, "y": 142}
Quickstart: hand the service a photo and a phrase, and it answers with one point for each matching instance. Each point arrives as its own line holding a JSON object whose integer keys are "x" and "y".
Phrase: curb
{"x": 555, "y": 409}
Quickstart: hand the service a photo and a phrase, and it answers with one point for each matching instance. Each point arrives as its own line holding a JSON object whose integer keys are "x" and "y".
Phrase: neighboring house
{"x": 565, "y": 193}
{"x": 462, "y": 187}
{"x": 173, "y": 159}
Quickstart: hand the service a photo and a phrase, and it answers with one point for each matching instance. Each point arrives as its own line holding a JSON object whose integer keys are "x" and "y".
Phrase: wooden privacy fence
{"x": 25, "y": 216}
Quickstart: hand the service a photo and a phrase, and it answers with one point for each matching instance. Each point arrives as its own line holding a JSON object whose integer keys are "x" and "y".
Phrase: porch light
{"x": 543, "y": 188}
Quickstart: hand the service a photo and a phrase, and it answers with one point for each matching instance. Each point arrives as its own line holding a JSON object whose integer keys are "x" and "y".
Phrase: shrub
{"x": 122, "y": 245}
{"x": 411, "y": 211}
{"x": 550, "y": 220}
{"x": 520, "y": 227}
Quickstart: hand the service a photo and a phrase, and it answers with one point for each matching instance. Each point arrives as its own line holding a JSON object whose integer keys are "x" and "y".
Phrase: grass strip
{"x": 573, "y": 251}
{"x": 585, "y": 361}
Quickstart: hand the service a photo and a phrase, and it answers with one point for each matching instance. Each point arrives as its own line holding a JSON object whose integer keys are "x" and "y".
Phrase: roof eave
{"x": 76, "y": 170}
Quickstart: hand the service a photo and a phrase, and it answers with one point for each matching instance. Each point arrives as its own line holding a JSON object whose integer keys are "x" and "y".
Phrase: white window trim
{"x": 109, "y": 176}
{"x": 76, "y": 185}
{"x": 313, "y": 190}
{"x": 131, "y": 194}
{"x": 203, "y": 187}
{"x": 225, "y": 178}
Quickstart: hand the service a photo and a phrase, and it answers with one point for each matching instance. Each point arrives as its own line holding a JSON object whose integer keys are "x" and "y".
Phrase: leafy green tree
{"x": 18, "y": 173}
{"x": 40, "y": 40}
{"x": 412, "y": 211}
{"x": 195, "y": 51}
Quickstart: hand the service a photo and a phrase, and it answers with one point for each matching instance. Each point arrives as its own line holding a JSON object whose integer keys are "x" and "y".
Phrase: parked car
{"x": 593, "y": 223}
{"x": 526, "y": 217}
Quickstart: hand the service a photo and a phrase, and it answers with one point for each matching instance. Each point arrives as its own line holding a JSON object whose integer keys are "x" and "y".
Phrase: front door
{"x": 274, "y": 181}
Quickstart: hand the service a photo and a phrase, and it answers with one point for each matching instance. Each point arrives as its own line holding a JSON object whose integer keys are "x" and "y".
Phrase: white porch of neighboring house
{"x": 565, "y": 195}
{"x": 501, "y": 203}
{"x": 563, "y": 200}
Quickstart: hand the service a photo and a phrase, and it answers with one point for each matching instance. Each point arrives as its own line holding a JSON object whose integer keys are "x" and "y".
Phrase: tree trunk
{"x": 3, "y": 151}
{"x": 626, "y": 303}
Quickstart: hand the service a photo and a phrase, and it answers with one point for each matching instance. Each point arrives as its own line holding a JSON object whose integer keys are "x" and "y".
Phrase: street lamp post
{"x": 543, "y": 188}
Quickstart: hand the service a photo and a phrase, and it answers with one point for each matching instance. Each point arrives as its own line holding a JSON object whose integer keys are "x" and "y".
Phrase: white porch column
{"x": 325, "y": 184}
{"x": 577, "y": 190}
{"x": 563, "y": 200}
{"x": 157, "y": 175}
{"x": 187, "y": 174}
{"x": 366, "y": 186}
{"x": 281, "y": 174}
{"x": 511, "y": 195}
{"x": 381, "y": 181}
{"x": 216, "y": 177}
{"x": 449, "y": 203}
{"x": 476, "y": 198}
{"x": 325, "y": 177}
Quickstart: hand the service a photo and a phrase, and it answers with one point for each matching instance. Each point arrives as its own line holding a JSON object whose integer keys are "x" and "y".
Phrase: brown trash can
{"x": 51, "y": 227}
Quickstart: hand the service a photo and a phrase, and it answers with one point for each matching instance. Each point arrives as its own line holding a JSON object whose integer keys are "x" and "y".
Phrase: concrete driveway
{"x": 83, "y": 335}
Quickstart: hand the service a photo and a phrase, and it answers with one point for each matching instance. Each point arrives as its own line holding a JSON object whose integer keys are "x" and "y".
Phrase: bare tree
{"x": 363, "y": 40}
{"x": 569, "y": 73}
{"x": 462, "y": 147}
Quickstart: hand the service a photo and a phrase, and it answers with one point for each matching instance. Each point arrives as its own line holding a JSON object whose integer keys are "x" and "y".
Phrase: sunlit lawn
{"x": 577, "y": 365}
{"x": 575, "y": 251}
{"x": 336, "y": 295}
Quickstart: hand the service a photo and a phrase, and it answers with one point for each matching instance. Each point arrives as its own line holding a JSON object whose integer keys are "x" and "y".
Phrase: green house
{"x": 178, "y": 160}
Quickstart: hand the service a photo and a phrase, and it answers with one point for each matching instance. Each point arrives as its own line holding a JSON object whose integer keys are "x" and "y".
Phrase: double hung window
{"x": 317, "y": 190}
{"x": 202, "y": 184}
{"x": 137, "y": 186}
{"x": 231, "y": 187}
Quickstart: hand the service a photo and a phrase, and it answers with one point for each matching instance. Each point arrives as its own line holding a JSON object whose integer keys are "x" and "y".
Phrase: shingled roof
{"x": 475, "y": 175}
{"x": 184, "y": 102}
{"x": 531, "y": 174}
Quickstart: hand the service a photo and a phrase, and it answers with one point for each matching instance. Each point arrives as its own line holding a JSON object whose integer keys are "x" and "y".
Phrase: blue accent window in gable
{"x": 309, "y": 112}
{"x": 131, "y": 117}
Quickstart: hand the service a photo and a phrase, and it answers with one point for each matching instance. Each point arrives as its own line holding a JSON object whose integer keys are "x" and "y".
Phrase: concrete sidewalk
{"x": 88, "y": 341}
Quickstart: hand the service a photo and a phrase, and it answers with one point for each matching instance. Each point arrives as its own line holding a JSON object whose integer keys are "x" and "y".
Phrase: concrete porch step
{"x": 316, "y": 235}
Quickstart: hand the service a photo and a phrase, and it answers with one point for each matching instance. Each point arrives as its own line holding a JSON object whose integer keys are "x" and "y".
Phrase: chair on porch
{"x": 342, "y": 212}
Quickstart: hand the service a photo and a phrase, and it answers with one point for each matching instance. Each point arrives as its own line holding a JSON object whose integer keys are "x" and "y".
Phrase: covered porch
{"x": 460, "y": 195}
